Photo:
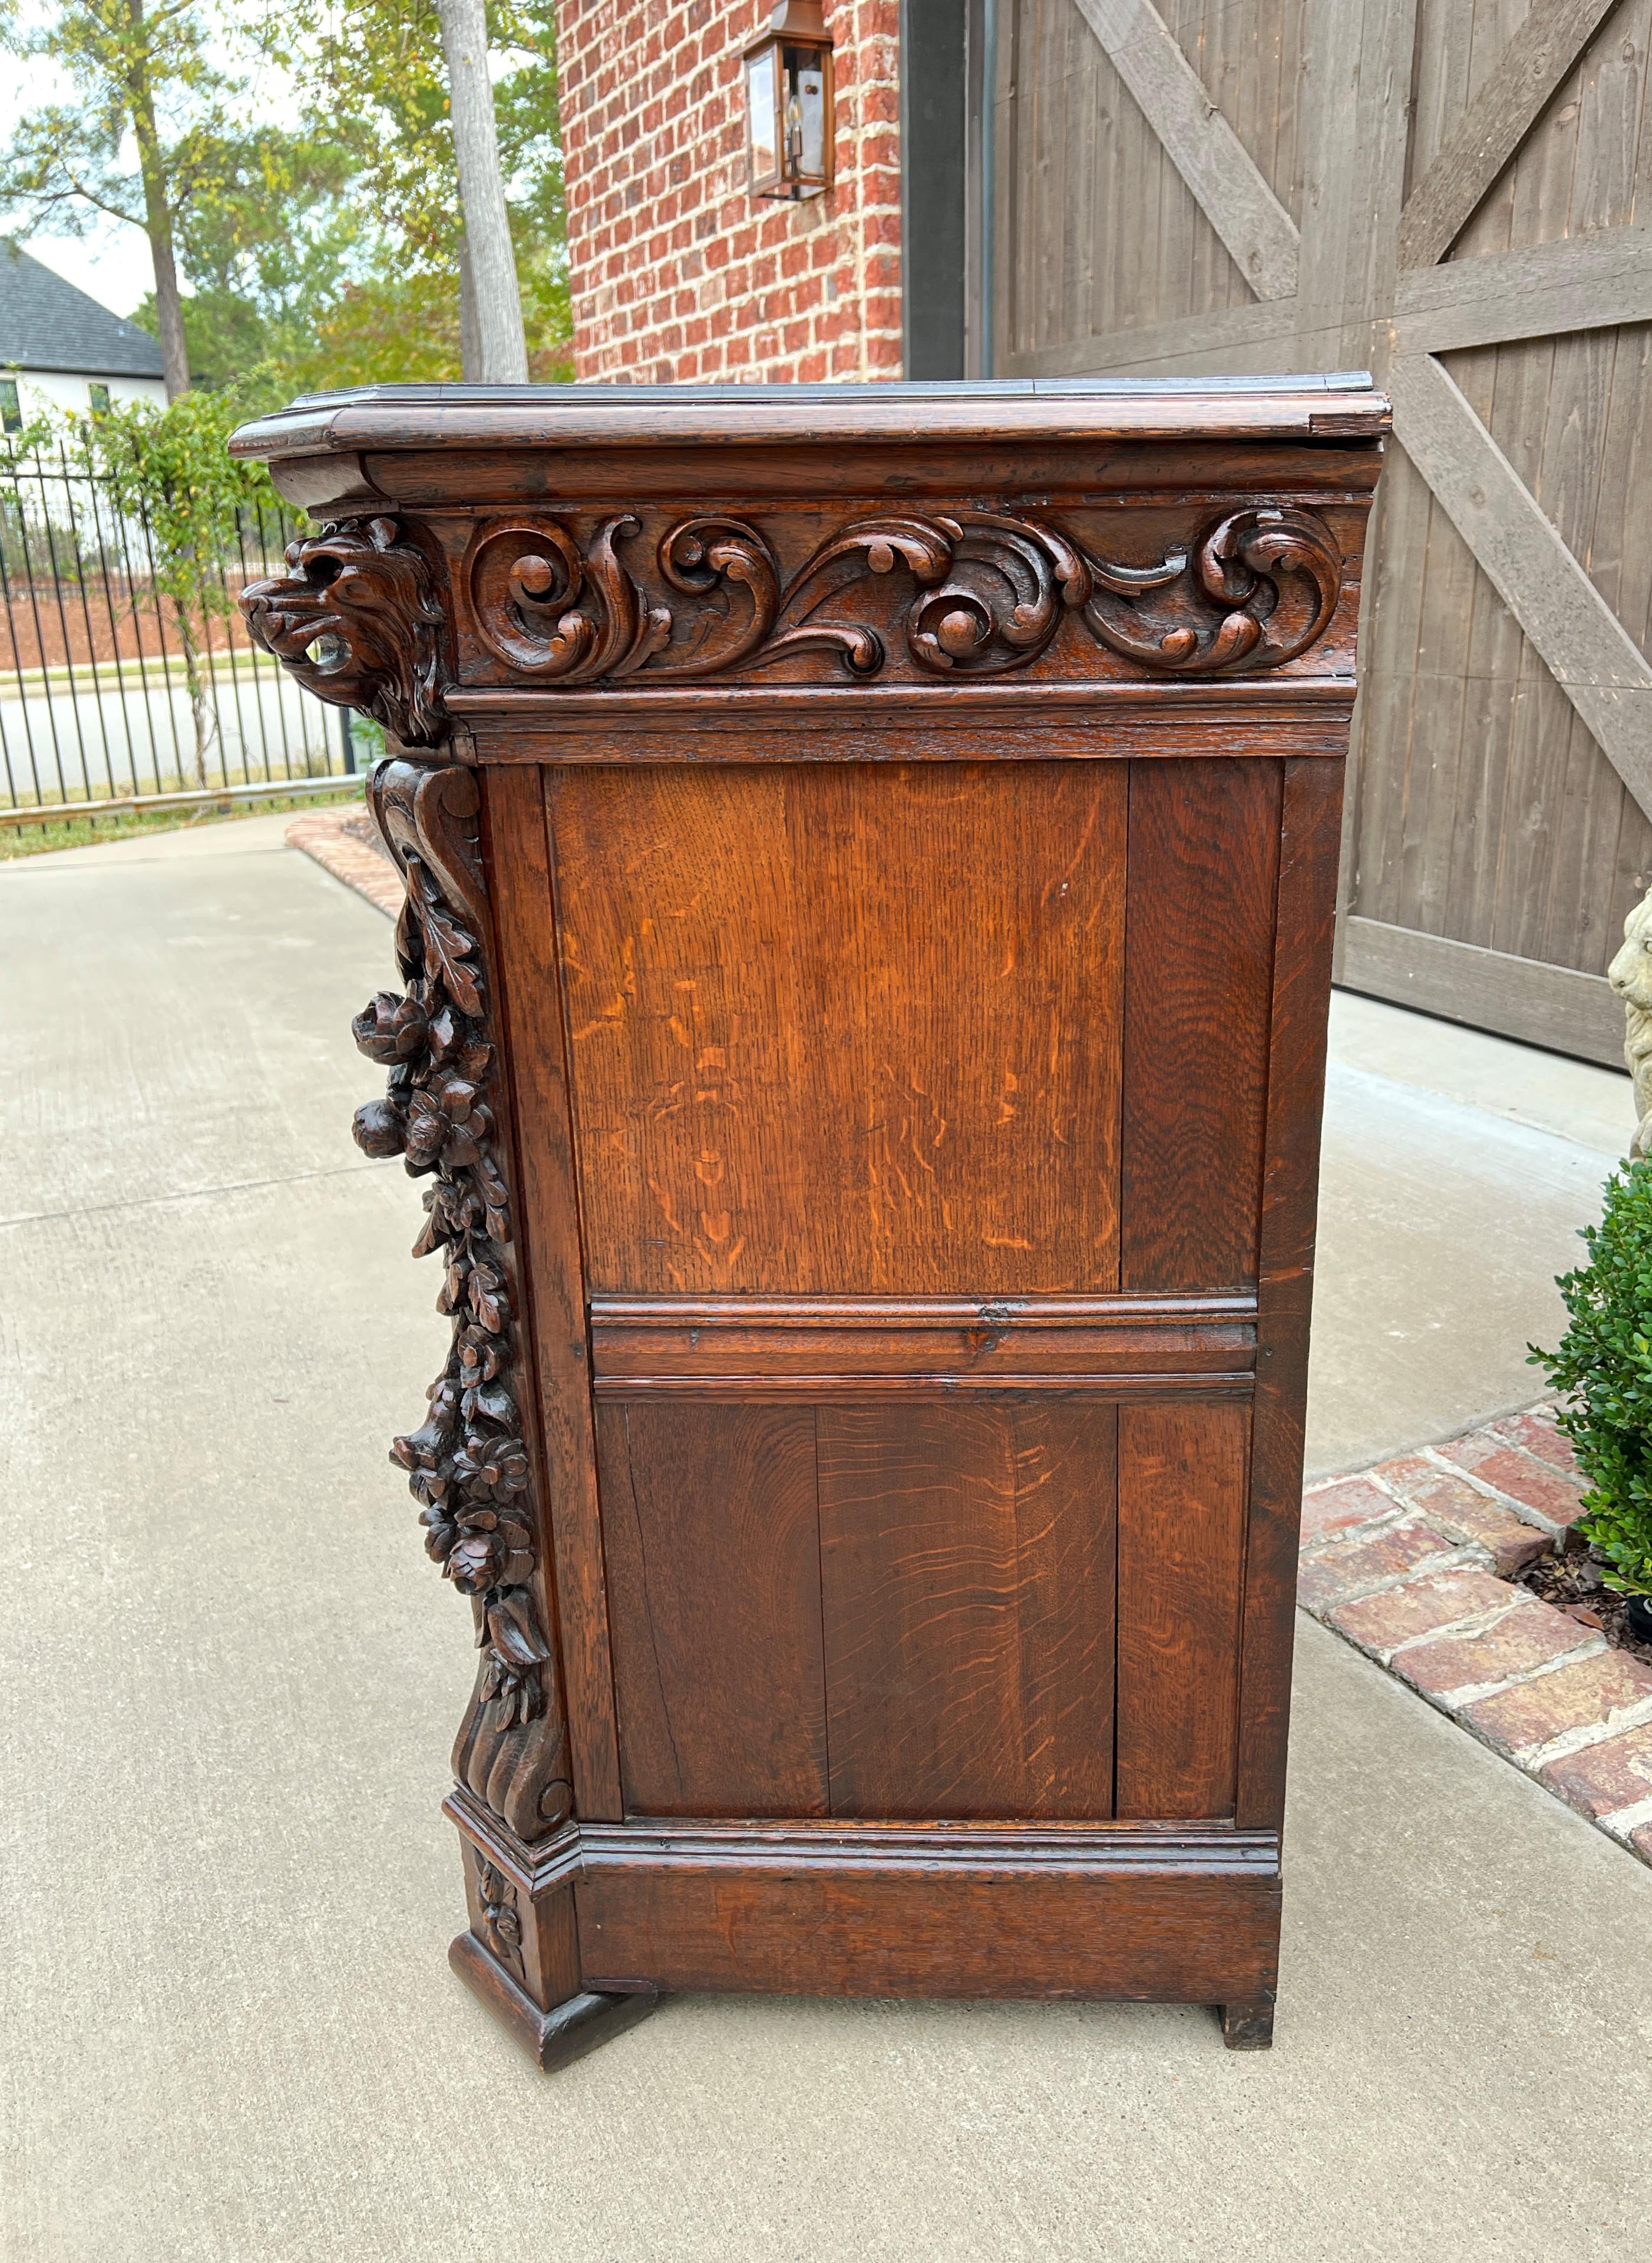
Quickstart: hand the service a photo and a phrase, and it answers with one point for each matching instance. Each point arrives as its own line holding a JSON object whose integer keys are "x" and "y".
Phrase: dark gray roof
{"x": 46, "y": 323}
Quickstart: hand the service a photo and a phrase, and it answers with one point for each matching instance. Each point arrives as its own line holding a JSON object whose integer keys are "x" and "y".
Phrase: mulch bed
{"x": 1571, "y": 1580}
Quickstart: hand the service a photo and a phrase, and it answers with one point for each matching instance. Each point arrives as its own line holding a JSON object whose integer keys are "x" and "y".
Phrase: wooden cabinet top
{"x": 1339, "y": 407}
{"x": 758, "y": 573}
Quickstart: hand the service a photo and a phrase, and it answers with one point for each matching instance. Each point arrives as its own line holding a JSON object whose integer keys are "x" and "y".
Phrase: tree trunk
{"x": 502, "y": 350}
{"x": 470, "y": 337}
{"x": 169, "y": 305}
{"x": 201, "y": 714}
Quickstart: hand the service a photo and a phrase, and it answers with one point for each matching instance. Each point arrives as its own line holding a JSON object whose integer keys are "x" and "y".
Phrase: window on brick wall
{"x": 946, "y": 62}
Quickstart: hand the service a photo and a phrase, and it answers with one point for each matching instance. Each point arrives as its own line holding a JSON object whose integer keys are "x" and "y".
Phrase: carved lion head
{"x": 358, "y": 623}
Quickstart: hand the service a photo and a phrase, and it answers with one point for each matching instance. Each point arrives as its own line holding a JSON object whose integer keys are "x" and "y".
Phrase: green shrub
{"x": 1605, "y": 1366}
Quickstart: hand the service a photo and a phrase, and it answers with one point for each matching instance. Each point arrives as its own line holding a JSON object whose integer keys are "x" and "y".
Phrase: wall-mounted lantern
{"x": 789, "y": 117}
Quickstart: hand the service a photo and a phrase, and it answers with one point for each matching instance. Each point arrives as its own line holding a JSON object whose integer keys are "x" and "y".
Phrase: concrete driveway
{"x": 232, "y": 1678}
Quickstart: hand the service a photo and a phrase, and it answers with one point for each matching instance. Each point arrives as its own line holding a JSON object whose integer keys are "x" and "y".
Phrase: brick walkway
{"x": 345, "y": 841}
{"x": 1402, "y": 1560}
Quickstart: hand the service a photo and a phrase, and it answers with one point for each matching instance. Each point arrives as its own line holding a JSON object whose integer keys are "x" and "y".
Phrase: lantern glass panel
{"x": 805, "y": 73}
{"x": 762, "y": 114}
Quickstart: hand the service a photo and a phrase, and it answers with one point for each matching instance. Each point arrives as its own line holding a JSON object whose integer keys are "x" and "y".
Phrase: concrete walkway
{"x": 232, "y": 1678}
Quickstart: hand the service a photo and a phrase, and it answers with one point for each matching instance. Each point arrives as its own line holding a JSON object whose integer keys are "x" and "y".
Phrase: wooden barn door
{"x": 1454, "y": 193}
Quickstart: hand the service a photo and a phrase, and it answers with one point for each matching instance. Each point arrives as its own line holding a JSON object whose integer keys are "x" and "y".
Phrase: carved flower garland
{"x": 467, "y": 1464}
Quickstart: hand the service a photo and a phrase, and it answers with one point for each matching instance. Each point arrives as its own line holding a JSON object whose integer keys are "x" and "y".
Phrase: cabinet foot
{"x": 1248, "y": 2027}
{"x": 569, "y": 2029}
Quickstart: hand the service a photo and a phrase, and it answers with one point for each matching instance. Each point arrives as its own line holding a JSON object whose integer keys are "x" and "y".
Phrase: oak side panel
{"x": 1203, "y": 850}
{"x": 519, "y": 871}
{"x": 967, "y": 1579}
{"x": 852, "y": 1028}
{"x": 1311, "y": 826}
{"x": 1181, "y": 1491}
{"x": 714, "y": 1594}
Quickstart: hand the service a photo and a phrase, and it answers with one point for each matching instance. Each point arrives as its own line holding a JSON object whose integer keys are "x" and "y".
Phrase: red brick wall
{"x": 678, "y": 274}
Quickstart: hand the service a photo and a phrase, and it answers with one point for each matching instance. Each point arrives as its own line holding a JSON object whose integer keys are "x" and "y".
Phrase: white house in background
{"x": 58, "y": 347}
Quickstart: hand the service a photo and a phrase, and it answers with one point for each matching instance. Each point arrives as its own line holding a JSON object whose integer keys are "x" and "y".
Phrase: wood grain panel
{"x": 1487, "y": 814}
{"x": 532, "y": 1022}
{"x": 1310, "y": 830}
{"x": 1103, "y": 233}
{"x": 1204, "y": 1933}
{"x": 1203, "y": 855}
{"x": 714, "y": 1592}
{"x": 967, "y": 1579}
{"x": 846, "y": 1029}
{"x": 1181, "y": 1496}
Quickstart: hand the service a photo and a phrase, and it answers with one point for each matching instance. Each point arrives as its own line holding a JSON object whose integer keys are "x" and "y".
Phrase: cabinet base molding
{"x": 1099, "y": 1912}
{"x": 555, "y": 2038}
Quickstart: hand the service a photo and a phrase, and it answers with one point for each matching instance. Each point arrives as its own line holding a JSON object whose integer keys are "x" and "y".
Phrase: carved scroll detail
{"x": 358, "y": 623}
{"x": 991, "y": 591}
{"x": 1271, "y": 577}
{"x": 468, "y": 1464}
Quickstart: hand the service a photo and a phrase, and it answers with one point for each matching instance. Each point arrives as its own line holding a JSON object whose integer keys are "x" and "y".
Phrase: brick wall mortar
{"x": 678, "y": 274}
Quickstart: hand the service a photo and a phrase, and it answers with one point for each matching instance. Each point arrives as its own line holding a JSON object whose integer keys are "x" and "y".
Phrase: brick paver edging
{"x": 1401, "y": 1560}
{"x": 328, "y": 835}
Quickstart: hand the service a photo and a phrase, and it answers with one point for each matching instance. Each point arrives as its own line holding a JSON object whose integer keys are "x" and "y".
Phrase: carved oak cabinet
{"x": 871, "y": 858}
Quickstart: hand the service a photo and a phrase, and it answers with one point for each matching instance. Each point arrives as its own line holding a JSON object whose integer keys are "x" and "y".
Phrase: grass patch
{"x": 89, "y": 832}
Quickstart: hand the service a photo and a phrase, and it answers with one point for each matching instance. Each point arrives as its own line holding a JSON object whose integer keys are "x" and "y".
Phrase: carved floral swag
{"x": 467, "y": 1464}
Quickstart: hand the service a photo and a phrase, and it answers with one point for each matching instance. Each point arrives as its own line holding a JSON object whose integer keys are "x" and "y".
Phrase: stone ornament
{"x": 1630, "y": 975}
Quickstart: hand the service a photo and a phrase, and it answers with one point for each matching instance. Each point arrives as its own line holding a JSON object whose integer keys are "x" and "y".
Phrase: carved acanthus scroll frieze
{"x": 988, "y": 594}
{"x": 468, "y": 1464}
{"x": 358, "y": 624}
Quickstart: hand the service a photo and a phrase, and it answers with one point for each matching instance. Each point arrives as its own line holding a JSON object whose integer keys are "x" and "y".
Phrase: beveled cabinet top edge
{"x": 1341, "y": 407}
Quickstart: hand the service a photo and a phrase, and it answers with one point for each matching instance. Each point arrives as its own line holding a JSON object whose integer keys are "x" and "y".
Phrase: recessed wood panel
{"x": 1199, "y": 953}
{"x": 713, "y": 1549}
{"x": 1173, "y": 1935}
{"x": 967, "y": 1579}
{"x": 852, "y": 1028}
{"x": 1181, "y": 1495}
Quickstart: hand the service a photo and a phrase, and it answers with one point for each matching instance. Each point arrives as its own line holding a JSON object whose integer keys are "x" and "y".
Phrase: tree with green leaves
{"x": 139, "y": 69}
{"x": 278, "y": 239}
{"x": 380, "y": 64}
{"x": 330, "y": 250}
{"x": 168, "y": 471}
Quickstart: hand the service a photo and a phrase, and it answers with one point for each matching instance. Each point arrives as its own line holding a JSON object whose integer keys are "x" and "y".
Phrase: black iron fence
{"x": 115, "y": 694}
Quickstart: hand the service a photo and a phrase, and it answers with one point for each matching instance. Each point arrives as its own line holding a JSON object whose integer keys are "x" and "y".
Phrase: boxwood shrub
{"x": 1604, "y": 1365}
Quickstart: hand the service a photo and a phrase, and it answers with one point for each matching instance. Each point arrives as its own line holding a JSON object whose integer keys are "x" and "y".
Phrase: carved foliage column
{"x": 469, "y": 1463}
{"x": 357, "y": 621}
